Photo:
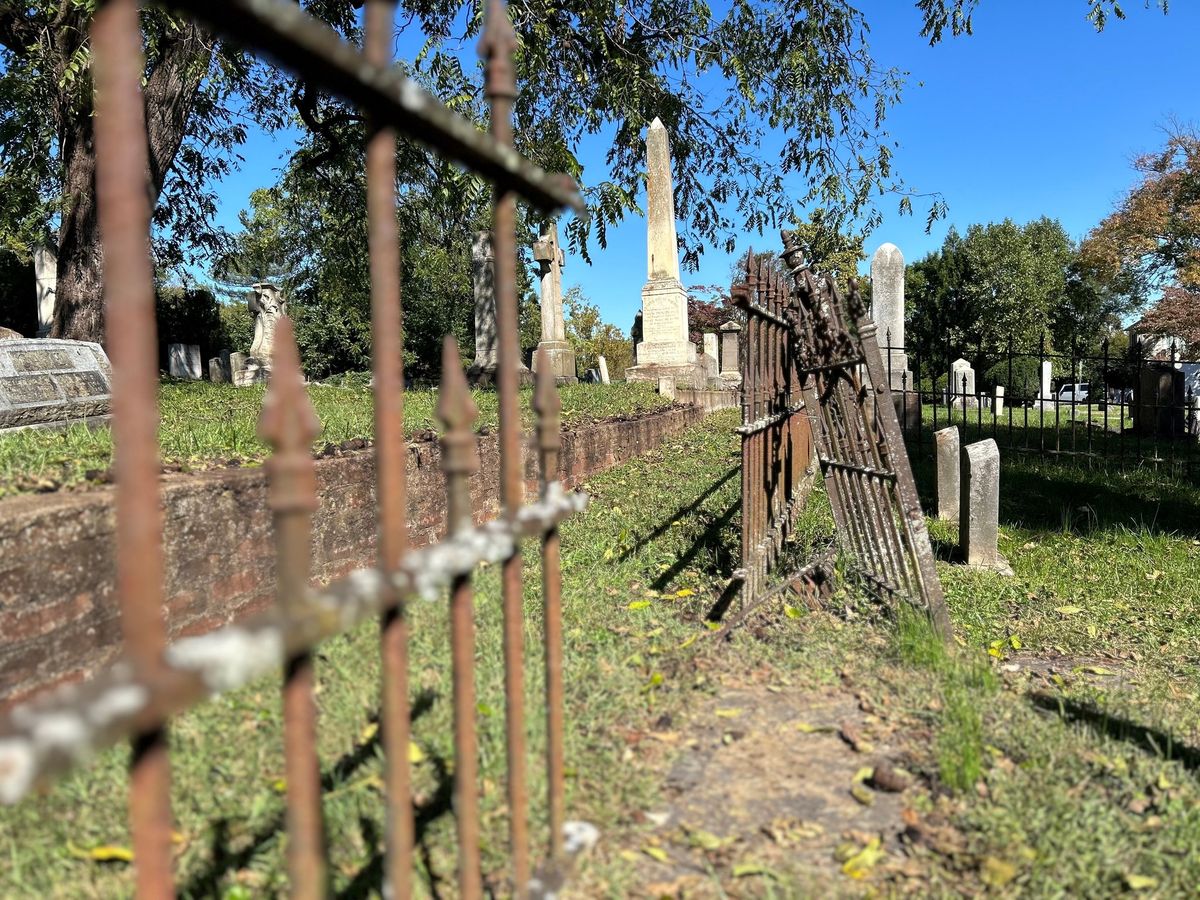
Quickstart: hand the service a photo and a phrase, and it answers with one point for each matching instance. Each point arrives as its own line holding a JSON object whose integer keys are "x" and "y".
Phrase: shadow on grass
{"x": 680, "y": 511}
{"x": 1105, "y": 724}
{"x": 711, "y": 538}
{"x": 1052, "y": 497}
{"x": 206, "y": 883}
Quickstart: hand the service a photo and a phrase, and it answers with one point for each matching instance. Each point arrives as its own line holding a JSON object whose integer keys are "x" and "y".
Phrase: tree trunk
{"x": 79, "y": 300}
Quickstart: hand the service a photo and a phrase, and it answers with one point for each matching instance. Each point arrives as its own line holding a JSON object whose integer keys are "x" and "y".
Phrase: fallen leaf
{"x": 729, "y": 713}
{"x": 1068, "y": 610}
{"x": 656, "y": 853}
{"x": 415, "y": 755}
{"x": 997, "y": 872}
{"x": 103, "y": 853}
{"x": 860, "y": 864}
{"x": 746, "y": 869}
{"x": 862, "y": 795}
{"x": 805, "y": 728}
{"x": 1140, "y": 882}
{"x": 686, "y": 592}
{"x": 638, "y": 604}
{"x": 862, "y": 775}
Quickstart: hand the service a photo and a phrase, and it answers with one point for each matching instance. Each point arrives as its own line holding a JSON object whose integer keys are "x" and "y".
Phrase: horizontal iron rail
{"x": 761, "y": 311}
{"x": 765, "y": 423}
{"x": 869, "y": 471}
{"x": 52, "y": 733}
{"x": 282, "y": 30}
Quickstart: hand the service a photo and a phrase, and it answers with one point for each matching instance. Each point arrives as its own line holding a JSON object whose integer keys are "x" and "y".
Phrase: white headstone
{"x": 998, "y": 403}
{"x": 603, "y": 369}
{"x": 887, "y": 300}
{"x": 666, "y": 387}
{"x": 1046, "y": 388}
{"x": 183, "y": 361}
{"x": 45, "y": 273}
{"x": 960, "y": 369}
{"x": 483, "y": 285}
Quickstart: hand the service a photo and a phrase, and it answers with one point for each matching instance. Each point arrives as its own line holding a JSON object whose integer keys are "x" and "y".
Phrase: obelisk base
{"x": 482, "y": 374}
{"x": 562, "y": 361}
{"x": 690, "y": 375}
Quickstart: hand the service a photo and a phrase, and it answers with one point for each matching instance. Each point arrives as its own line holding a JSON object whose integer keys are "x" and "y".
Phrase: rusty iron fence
{"x": 775, "y": 429}
{"x": 812, "y": 356}
{"x": 135, "y": 698}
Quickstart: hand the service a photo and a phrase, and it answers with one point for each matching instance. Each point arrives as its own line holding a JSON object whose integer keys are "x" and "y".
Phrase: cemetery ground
{"x": 203, "y": 425}
{"x": 1051, "y": 752}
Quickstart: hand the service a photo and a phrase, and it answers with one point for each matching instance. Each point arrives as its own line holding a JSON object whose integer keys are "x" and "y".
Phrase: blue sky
{"x": 1035, "y": 114}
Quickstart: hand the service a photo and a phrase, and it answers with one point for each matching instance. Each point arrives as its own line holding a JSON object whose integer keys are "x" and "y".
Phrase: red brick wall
{"x": 58, "y": 615}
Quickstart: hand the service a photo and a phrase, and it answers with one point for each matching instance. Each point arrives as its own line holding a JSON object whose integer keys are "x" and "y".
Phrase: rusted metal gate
{"x": 812, "y": 356}
{"x": 880, "y": 526}
{"x": 775, "y": 430}
{"x": 135, "y": 698}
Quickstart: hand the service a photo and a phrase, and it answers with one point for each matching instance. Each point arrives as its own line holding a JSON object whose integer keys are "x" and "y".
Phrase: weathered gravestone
{"x": 731, "y": 372}
{"x": 946, "y": 459}
{"x": 603, "y": 363}
{"x": 887, "y": 300}
{"x": 1045, "y": 387}
{"x": 220, "y": 368}
{"x": 45, "y": 274}
{"x": 483, "y": 280}
{"x": 550, "y": 259}
{"x": 711, "y": 360}
{"x": 52, "y": 383}
{"x": 979, "y": 507}
{"x": 998, "y": 402}
{"x": 962, "y": 382}
{"x": 183, "y": 361}
{"x": 1158, "y": 402}
{"x": 237, "y": 368}
{"x": 664, "y": 351}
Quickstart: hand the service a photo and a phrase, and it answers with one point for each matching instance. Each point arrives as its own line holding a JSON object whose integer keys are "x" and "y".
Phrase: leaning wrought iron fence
{"x": 1136, "y": 407}
{"x": 812, "y": 376}
{"x": 136, "y": 697}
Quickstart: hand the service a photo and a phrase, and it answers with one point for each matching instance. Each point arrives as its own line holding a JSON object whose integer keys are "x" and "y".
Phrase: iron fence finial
{"x": 497, "y": 46}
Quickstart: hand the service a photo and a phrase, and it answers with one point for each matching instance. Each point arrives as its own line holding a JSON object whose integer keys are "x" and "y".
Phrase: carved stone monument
{"x": 268, "y": 306}
{"x": 550, "y": 259}
{"x": 48, "y": 383}
{"x": 664, "y": 350}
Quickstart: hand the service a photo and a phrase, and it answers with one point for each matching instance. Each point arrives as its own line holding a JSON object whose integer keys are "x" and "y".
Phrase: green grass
{"x": 1078, "y": 780}
{"x": 202, "y": 424}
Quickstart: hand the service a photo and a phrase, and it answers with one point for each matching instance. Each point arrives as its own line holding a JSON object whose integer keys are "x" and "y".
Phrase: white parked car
{"x": 1077, "y": 393}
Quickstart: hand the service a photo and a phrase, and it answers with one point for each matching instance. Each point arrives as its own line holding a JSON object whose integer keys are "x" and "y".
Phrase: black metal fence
{"x": 1136, "y": 406}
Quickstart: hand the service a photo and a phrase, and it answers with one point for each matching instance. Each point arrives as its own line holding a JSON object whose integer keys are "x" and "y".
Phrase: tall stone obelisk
{"x": 664, "y": 351}
{"x": 550, "y": 259}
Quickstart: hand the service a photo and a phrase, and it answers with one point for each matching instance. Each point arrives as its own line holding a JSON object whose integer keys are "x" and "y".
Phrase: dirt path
{"x": 771, "y": 790}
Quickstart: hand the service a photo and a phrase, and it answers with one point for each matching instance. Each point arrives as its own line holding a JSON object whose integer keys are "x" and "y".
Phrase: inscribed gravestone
{"x": 48, "y": 383}
{"x": 183, "y": 361}
{"x": 961, "y": 374}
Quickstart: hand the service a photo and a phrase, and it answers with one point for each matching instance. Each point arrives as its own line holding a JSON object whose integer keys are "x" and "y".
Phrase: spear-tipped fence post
{"x": 460, "y": 460}
{"x": 289, "y": 424}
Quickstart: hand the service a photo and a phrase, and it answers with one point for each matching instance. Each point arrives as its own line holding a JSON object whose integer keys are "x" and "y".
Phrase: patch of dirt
{"x": 774, "y": 783}
{"x": 1057, "y": 670}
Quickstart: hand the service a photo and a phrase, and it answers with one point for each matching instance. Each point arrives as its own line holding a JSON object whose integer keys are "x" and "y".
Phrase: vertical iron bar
{"x": 497, "y": 48}
{"x": 547, "y": 405}
{"x": 124, "y": 218}
{"x": 383, "y": 240}
{"x": 289, "y": 425}
{"x": 460, "y": 460}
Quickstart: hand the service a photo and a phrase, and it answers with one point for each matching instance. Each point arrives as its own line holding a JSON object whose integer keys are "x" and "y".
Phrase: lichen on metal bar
{"x": 62, "y": 728}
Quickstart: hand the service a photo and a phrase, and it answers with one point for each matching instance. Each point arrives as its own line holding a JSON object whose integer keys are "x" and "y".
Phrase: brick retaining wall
{"x": 58, "y": 615}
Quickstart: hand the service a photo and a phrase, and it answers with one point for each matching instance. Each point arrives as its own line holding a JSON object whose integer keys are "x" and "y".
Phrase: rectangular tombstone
{"x": 998, "y": 403}
{"x": 183, "y": 361}
{"x": 1045, "y": 388}
{"x": 218, "y": 370}
{"x": 979, "y": 509}
{"x": 730, "y": 358}
{"x": 946, "y": 461}
{"x": 1158, "y": 402}
{"x": 603, "y": 369}
{"x": 962, "y": 372}
{"x": 53, "y": 383}
{"x": 666, "y": 387}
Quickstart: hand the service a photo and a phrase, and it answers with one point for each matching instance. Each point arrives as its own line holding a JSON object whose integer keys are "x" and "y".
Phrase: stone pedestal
{"x": 666, "y": 351}
{"x": 562, "y": 360}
